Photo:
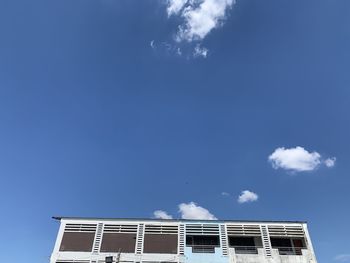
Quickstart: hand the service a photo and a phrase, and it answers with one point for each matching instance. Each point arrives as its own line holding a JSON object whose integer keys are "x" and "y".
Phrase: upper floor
{"x": 192, "y": 241}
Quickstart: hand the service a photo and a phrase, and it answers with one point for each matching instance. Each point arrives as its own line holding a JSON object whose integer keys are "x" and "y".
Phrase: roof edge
{"x": 59, "y": 218}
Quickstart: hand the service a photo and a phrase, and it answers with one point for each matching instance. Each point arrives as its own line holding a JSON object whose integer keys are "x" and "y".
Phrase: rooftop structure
{"x": 106, "y": 240}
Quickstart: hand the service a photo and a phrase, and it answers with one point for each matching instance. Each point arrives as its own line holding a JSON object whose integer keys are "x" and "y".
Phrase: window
{"x": 245, "y": 245}
{"x": 202, "y": 240}
{"x": 160, "y": 243}
{"x": 203, "y": 244}
{"x": 241, "y": 241}
{"x": 288, "y": 246}
{"x": 281, "y": 242}
{"x": 118, "y": 242}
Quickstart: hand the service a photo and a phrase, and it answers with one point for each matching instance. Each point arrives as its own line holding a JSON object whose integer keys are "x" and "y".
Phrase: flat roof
{"x": 175, "y": 220}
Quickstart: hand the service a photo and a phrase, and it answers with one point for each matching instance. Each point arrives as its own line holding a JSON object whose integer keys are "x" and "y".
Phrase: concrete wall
{"x": 216, "y": 257}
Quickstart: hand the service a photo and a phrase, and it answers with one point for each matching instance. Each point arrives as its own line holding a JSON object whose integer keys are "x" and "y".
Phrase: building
{"x": 97, "y": 240}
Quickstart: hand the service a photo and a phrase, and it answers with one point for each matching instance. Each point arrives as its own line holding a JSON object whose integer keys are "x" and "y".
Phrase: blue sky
{"x": 108, "y": 110}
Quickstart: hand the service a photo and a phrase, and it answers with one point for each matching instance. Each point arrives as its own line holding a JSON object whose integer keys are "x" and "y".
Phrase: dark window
{"x": 281, "y": 242}
{"x": 241, "y": 241}
{"x": 299, "y": 243}
{"x": 118, "y": 242}
{"x": 160, "y": 243}
{"x": 243, "y": 245}
{"x": 203, "y": 240}
{"x": 203, "y": 244}
{"x": 77, "y": 241}
{"x": 288, "y": 246}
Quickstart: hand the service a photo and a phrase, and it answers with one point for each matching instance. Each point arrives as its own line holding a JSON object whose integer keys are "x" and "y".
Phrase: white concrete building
{"x": 99, "y": 240}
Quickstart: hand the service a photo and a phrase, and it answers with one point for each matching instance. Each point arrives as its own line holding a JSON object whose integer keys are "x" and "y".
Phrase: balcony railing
{"x": 246, "y": 249}
{"x": 290, "y": 250}
{"x": 203, "y": 249}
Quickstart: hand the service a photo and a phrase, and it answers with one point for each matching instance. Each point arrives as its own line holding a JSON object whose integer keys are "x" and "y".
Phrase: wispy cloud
{"x": 193, "y": 211}
{"x": 165, "y": 48}
{"x": 342, "y": 258}
{"x": 200, "y": 51}
{"x": 330, "y": 162}
{"x": 175, "y": 6}
{"x": 298, "y": 159}
{"x": 199, "y": 17}
{"x": 161, "y": 214}
{"x": 247, "y": 196}
{"x": 196, "y": 19}
{"x": 225, "y": 194}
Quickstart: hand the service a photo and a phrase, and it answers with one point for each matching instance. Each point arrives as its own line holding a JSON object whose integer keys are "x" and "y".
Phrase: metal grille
{"x": 98, "y": 238}
{"x": 286, "y": 231}
{"x": 139, "y": 239}
{"x": 223, "y": 237}
{"x": 80, "y": 228}
{"x": 161, "y": 229}
{"x": 243, "y": 230}
{"x": 203, "y": 249}
{"x": 120, "y": 229}
{"x": 266, "y": 241}
{"x": 182, "y": 239}
{"x": 202, "y": 229}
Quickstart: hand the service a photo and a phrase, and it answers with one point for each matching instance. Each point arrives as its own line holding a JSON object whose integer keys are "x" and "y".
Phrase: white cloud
{"x": 194, "y": 211}
{"x": 295, "y": 159}
{"x": 162, "y": 214}
{"x": 199, "y": 16}
{"x": 225, "y": 194}
{"x": 200, "y": 51}
{"x": 175, "y": 6}
{"x": 247, "y": 196}
{"x": 330, "y": 162}
{"x": 343, "y": 258}
{"x": 152, "y": 44}
{"x": 298, "y": 159}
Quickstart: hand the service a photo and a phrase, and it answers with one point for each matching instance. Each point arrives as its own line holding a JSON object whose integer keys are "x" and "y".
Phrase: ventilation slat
{"x": 285, "y": 231}
{"x": 266, "y": 241}
{"x": 98, "y": 238}
{"x": 243, "y": 230}
{"x": 202, "y": 229}
{"x": 80, "y": 228}
{"x": 181, "y": 239}
{"x": 140, "y": 239}
{"x": 161, "y": 229}
{"x": 120, "y": 229}
{"x": 223, "y": 237}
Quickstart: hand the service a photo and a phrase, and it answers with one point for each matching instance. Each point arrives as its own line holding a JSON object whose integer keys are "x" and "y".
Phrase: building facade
{"x": 97, "y": 240}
